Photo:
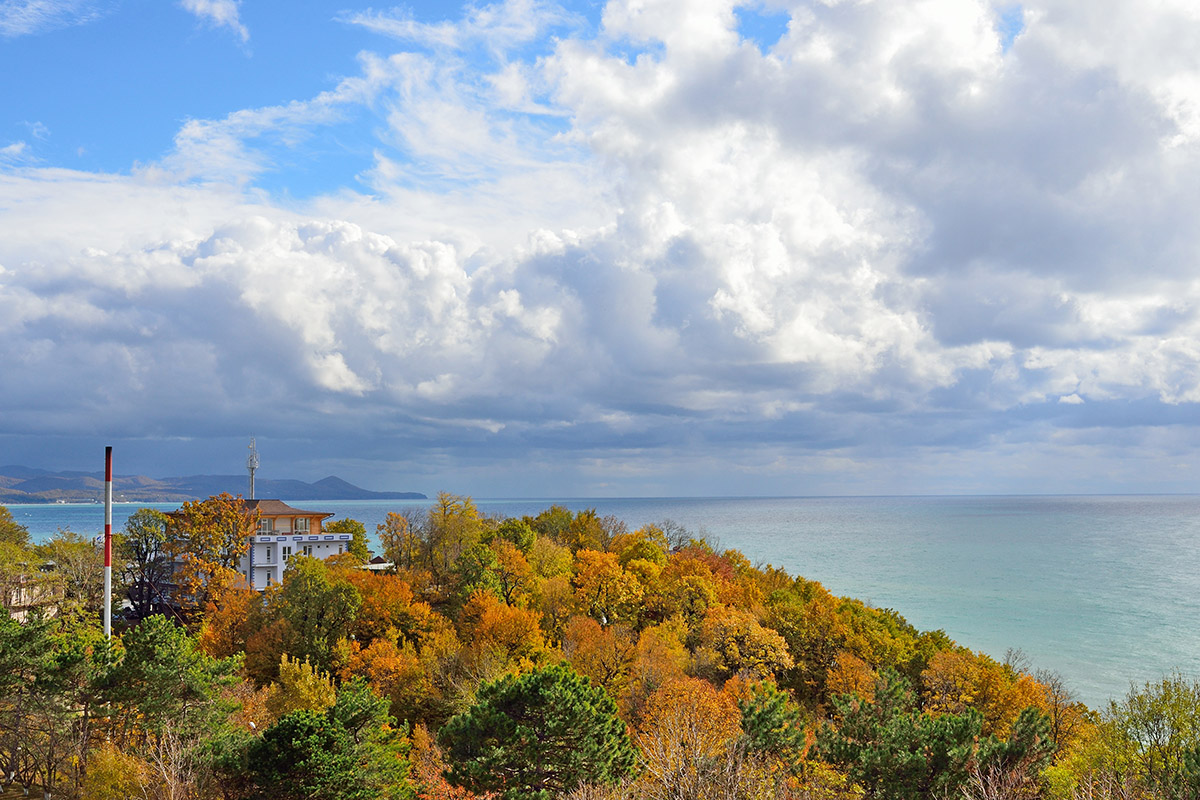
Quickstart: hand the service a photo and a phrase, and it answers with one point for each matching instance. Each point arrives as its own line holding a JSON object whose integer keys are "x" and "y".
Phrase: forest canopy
{"x": 560, "y": 654}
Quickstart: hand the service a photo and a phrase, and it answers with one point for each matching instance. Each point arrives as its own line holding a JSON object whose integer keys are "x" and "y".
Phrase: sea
{"x": 1104, "y": 590}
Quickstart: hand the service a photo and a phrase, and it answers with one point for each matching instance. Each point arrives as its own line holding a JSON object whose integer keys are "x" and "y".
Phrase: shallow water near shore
{"x": 1103, "y": 589}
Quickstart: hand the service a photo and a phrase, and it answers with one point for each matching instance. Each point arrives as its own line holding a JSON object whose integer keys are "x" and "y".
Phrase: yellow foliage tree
{"x": 957, "y": 680}
{"x": 659, "y": 658}
{"x": 115, "y": 775}
{"x": 301, "y": 687}
{"x": 732, "y": 642}
{"x": 603, "y": 590}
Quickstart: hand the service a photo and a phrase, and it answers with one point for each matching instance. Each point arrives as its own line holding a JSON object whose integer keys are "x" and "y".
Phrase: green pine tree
{"x": 537, "y": 736}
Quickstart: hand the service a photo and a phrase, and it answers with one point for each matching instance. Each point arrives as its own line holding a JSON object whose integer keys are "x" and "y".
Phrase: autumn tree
{"x": 454, "y": 526}
{"x": 233, "y": 613}
{"x": 499, "y": 636}
{"x": 318, "y": 608}
{"x": 11, "y": 531}
{"x": 358, "y": 537}
{"x": 513, "y": 575}
{"x": 688, "y": 588}
{"x": 537, "y": 736}
{"x": 301, "y": 687}
{"x": 957, "y": 680}
{"x": 600, "y": 654}
{"x": 688, "y": 738}
{"x": 387, "y": 604}
{"x": 207, "y": 539}
{"x": 731, "y": 642}
{"x": 851, "y": 675}
{"x": 603, "y": 590}
{"x": 399, "y": 535}
{"x": 429, "y": 769}
{"x": 659, "y": 658}
{"x": 396, "y": 671}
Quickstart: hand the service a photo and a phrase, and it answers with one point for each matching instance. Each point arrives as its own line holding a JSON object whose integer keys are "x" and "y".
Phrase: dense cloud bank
{"x": 895, "y": 229}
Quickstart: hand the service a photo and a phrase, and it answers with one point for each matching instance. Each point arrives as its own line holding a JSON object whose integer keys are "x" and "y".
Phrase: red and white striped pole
{"x": 108, "y": 542}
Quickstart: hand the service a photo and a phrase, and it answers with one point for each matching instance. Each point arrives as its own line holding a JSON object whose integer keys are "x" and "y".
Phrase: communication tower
{"x": 251, "y": 465}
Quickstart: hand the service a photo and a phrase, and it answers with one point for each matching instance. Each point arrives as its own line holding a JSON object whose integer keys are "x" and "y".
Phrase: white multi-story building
{"x": 283, "y": 532}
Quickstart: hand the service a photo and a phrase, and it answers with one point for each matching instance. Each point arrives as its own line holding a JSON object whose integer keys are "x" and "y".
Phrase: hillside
{"x": 28, "y": 485}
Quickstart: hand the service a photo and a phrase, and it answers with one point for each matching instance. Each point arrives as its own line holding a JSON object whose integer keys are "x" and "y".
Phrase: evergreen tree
{"x": 537, "y": 736}
{"x": 774, "y": 726}
{"x": 896, "y": 752}
{"x": 350, "y": 752}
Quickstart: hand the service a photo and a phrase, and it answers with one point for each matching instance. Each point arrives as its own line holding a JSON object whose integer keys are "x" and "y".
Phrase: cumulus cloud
{"x": 219, "y": 13}
{"x": 895, "y": 229}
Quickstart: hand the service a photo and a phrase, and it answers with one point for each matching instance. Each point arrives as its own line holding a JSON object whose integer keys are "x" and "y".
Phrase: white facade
{"x": 264, "y": 562}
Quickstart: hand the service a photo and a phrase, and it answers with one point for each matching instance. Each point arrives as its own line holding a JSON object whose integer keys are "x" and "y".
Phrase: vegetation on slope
{"x": 555, "y": 655}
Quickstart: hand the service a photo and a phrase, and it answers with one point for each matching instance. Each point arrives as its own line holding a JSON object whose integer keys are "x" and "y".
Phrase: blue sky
{"x": 636, "y": 247}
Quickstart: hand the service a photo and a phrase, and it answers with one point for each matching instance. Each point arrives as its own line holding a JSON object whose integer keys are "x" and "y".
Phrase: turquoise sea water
{"x": 1105, "y": 590}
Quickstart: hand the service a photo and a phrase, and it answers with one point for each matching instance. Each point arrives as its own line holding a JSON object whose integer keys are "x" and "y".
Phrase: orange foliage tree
{"x": 232, "y": 615}
{"x": 206, "y": 540}
{"x": 499, "y": 636}
{"x": 685, "y": 737}
{"x": 388, "y": 604}
{"x": 394, "y": 671}
{"x": 958, "y": 680}
{"x": 601, "y": 654}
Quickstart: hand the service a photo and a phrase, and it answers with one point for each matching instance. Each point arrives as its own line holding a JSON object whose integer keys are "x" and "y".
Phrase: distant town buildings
{"x": 23, "y": 592}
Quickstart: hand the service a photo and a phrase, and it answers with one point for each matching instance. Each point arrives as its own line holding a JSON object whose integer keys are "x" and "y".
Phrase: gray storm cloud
{"x": 884, "y": 230}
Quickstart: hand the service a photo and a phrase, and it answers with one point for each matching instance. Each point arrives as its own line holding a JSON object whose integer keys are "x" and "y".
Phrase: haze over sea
{"x": 1103, "y": 589}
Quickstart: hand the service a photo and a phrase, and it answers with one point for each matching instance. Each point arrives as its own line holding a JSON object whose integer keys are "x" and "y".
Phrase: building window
{"x": 339, "y": 549}
{"x": 265, "y": 526}
{"x": 287, "y": 552}
{"x": 268, "y": 579}
{"x": 308, "y": 549}
{"x": 269, "y": 549}
{"x": 301, "y": 524}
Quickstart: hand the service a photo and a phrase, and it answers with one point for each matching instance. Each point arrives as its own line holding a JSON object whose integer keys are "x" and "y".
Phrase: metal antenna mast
{"x": 252, "y": 464}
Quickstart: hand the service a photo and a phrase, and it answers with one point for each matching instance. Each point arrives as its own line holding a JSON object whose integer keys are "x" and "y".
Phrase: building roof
{"x": 278, "y": 508}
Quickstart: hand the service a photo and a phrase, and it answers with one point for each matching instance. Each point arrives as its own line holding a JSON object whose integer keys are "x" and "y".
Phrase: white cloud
{"x": 29, "y": 17}
{"x": 499, "y": 27}
{"x": 15, "y": 153}
{"x": 219, "y": 13}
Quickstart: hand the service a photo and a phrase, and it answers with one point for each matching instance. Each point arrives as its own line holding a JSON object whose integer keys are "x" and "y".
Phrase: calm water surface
{"x": 1105, "y": 590}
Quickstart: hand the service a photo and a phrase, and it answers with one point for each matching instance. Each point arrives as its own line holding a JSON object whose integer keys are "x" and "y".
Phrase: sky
{"x": 624, "y": 248}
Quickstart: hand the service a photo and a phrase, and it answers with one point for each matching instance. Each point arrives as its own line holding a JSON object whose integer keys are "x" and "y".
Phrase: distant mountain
{"x": 26, "y": 485}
